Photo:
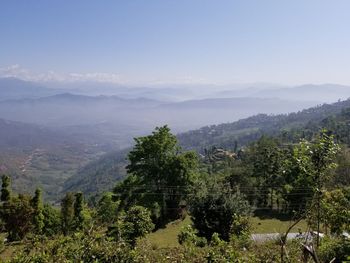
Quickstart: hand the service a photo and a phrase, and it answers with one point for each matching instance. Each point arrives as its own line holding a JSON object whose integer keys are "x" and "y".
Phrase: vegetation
{"x": 303, "y": 183}
{"x": 160, "y": 175}
{"x": 215, "y": 209}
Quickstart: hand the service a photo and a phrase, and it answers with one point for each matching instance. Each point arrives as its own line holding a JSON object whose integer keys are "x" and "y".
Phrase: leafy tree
{"x": 134, "y": 224}
{"x": 162, "y": 172}
{"x": 335, "y": 207}
{"x": 334, "y": 249}
{"x": 214, "y": 208}
{"x": 52, "y": 220}
{"x": 266, "y": 159}
{"x": 189, "y": 235}
{"x": 128, "y": 192}
{"x": 341, "y": 177}
{"x": 17, "y": 215}
{"x": 38, "y": 217}
{"x": 107, "y": 208}
{"x": 308, "y": 170}
{"x": 67, "y": 213}
{"x": 5, "y": 192}
{"x": 79, "y": 218}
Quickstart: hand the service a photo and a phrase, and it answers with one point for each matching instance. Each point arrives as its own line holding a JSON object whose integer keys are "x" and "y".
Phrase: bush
{"x": 188, "y": 235}
{"x": 77, "y": 248}
{"x": 331, "y": 248}
{"x": 134, "y": 224}
{"x": 214, "y": 209}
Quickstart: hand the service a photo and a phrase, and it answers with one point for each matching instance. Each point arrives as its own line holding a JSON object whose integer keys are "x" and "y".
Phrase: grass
{"x": 167, "y": 237}
{"x": 273, "y": 225}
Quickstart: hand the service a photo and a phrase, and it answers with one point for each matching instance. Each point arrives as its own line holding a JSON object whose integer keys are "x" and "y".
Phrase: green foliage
{"x": 52, "y": 220}
{"x": 38, "y": 218}
{"x": 188, "y": 235}
{"x": 134, "y": 224}
{"x": 160, "y": 174}
{"x": 128, "y": 192}
{"x": 79, "y": 218}
{"x": 17, "y": 215}
{"x": 308, "y": 170}
{"x": 287, "y": 127}
{"x": 214, "y": 208}
{"x": 335, "y": 207}
{"x": 107, "y": 208}
{"x": 89, "y": 248}
{"x": 98, "y": 175}
{"x": 334, "y": 248}
{"x": 67, "y": 213}
{"x": 266, "y": 159}
{"x": 5, "y": 192}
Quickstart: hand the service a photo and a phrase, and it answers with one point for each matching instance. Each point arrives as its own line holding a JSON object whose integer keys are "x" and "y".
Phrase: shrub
{"x": 188, "y": 235}
{"x": 334, "y": 247}
{"x": 214, "y": 209}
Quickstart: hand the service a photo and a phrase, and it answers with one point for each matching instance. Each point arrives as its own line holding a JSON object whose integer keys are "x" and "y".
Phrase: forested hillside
{"x": 237, "y": 134}
{"x": 34, "y": 156}
{"x": 98, "y": 175}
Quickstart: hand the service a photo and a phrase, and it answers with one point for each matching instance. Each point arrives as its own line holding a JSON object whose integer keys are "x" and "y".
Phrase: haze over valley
{"x": 175, "y": 131}
{"x": 51, "y": 130}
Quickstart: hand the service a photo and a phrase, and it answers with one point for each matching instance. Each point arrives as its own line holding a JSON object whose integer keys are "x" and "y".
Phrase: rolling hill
{"x": 102, "y": 174}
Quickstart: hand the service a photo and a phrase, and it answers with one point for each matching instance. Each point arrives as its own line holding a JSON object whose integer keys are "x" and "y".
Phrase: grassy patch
{"x": 273, "y": 225}
{"x": 167, "y": 237}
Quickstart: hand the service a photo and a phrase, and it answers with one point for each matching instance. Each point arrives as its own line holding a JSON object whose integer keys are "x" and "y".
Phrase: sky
{"x": 177, "y": 41}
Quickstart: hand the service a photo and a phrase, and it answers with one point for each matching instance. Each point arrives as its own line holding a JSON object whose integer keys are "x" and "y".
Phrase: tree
{"x": 67, "y": 213}
{"x": 134, "y": 224}
{"x": 162, "y": 172}
{"x": 308, "y": 170}
{"x": 79, "y": 218}
{"x": 266, "y": 158}
{"x": 38, "y": 217}
{"x": 52, "y": 220}
{"x": 5, "y": 192}
{"x": 17, "y": 215}
{"x": 214, "y": 208}
{"x": 107, "y": 208}
{"x": 335, "y": 206}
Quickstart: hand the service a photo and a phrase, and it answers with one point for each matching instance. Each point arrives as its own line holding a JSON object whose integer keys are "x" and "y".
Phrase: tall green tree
{"x": 67, "y": 213}
{"x": 335, "y": 208}
{"x": 266, "y": 160}
{"x": 308, "y": 170}
{"x": 5, "y": 191}
{"x": 214, "y": 208}
{"x": 107, "y": 208}
{"x": 79, "y": 218}
{"x": 52, "y": 220}
{"x": 38, "y": 217}
{"x": 135, "y": 223}
{"x": 17, "y": 215}
{"x": 162, "y": 172}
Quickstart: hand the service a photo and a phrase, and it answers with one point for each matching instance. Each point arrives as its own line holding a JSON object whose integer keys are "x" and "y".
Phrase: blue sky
{"x": 204, "y": 41}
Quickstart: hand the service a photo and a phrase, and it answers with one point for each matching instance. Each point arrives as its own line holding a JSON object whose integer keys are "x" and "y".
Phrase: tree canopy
{"x": 160, "y": 173}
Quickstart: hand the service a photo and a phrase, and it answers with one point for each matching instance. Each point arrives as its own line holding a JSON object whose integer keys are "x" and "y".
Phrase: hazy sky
{"x": 212, "y": 41}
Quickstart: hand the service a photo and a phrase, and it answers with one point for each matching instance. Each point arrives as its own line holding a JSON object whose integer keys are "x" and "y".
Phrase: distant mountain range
{"x": 54, "y": 136}
{"x": 12, "y": 88}
{"x": 143, "y": 114}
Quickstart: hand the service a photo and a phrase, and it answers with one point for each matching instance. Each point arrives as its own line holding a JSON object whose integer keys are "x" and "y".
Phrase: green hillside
{"x": 102, "y": 174}
{"x": 287, "y": 126}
